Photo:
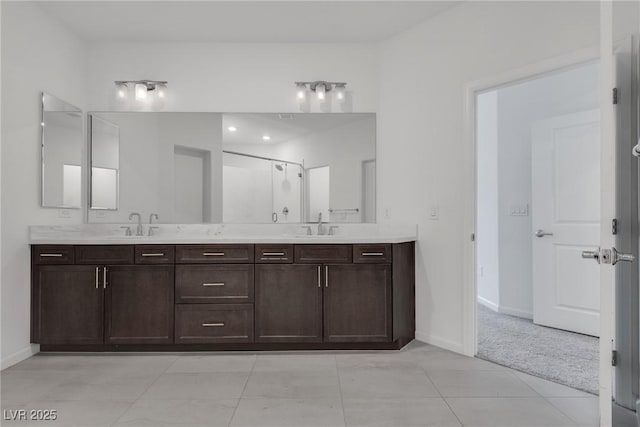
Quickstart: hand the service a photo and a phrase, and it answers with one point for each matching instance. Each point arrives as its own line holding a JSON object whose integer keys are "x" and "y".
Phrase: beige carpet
{"x": 553, "y": 354}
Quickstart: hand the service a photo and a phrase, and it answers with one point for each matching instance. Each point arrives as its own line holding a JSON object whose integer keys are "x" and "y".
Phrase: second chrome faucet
{"x": 139, "y": 228}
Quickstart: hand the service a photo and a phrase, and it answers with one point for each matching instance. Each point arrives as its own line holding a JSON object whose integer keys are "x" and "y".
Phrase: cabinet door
{"x": 68, "y": 305}
{"x": 357, "y": 303}
{"x": 288, "y": 303}
{"x": 139, "y": 304}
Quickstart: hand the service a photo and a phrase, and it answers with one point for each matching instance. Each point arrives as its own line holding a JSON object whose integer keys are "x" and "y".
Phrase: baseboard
{"x": 456, "y": 347}
{"x": 19, "y": 356}
{"x": 515, "y": 312}
{"x": 489, "y": 304}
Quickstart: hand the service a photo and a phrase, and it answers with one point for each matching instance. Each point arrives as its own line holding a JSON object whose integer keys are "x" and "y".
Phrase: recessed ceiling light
{"x": 266, "y": 137}
{"x": 232, "y": 128}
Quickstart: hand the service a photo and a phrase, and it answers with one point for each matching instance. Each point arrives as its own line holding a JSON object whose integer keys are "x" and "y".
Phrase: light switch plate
{"x": 519, "y": 210}
{"x": 64, "y": 213}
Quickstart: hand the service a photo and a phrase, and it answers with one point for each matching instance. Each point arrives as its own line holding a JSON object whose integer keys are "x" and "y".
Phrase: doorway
{"x": 538, "y": 209}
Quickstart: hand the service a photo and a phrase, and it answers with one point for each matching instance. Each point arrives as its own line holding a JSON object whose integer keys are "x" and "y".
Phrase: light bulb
{"x": 232, "y": 128}
{"x": 301, "y": 92}
{"x": 340, "y": 93}
{"x": 121, "y": 91}
{"x": 141, "y": 92}
{"x": 266, "y": 137}
{"x": 162, "y": 91}
{"x": 320, "y": 92}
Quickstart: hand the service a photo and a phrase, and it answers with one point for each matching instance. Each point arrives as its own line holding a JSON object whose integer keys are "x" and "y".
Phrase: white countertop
{"x": 112, "y": 234}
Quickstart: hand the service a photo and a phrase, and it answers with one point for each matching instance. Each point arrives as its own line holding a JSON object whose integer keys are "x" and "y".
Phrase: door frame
{"x": 472, "y": 90}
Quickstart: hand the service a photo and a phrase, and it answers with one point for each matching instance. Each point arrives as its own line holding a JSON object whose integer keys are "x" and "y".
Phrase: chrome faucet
{"x": 139, "y": 230}
{"x": 321, "y": 228}
{"x": 151, "y": 226}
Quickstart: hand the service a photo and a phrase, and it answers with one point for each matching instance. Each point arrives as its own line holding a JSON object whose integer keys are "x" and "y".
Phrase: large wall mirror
{"x": 61, "y": 154}
{"x": 233, "y": 167}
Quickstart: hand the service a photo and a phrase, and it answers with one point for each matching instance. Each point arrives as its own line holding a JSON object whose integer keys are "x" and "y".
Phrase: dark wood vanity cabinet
{"x": 66, "y": 305}
{"x": 216, "y": 297}
{"x": 139, "y": 304}
{"x": 289, "y": 303}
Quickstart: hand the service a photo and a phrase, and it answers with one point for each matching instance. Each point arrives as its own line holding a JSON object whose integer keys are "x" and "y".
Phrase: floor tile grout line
{"x": 255, "y": 360}
{"x": 146, "y": 389}
{"x": 441, "y": 396}
{"x": 344, "y": 413}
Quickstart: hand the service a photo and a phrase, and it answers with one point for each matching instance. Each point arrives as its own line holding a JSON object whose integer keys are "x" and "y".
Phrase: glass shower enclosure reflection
{"x": 260, "y": 189}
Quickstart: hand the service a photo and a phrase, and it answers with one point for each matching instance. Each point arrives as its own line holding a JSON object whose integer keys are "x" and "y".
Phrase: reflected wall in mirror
{"x": 61, "y": 154}
{"x": 164, "y": 163}
{"x": 299, "y": 167}
{"x": 233, "y": 168}
{"x": 105, "y": 163}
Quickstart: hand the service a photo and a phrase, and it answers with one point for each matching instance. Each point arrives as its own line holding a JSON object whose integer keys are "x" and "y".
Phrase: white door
{"x": 566, "y": 221}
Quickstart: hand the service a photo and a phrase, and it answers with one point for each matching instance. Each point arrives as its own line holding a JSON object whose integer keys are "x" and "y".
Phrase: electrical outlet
{"x": 64, "y": 213}
{"x": 434, "y": 212}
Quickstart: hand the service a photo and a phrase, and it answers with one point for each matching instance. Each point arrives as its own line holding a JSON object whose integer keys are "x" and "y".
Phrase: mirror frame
{"x": 67, "y": 107}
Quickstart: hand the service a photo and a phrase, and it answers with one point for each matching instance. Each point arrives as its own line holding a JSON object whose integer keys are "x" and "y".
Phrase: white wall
{"x": 488, "y": 274}
{"x": 424, "y": 72}
{"x": 519, "y": 106}
{"x": 37, "y": 55}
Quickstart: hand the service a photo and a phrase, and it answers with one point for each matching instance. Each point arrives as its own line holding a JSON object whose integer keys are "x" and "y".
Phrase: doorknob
{"x": 542, "y": 233}
{"x": 608, "y": 256}
{"x": 619, "y": 256}
{"x": 592, "y": 255}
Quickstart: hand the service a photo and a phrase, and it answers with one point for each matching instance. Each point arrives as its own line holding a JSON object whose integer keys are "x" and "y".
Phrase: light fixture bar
{"x": 328, "y": 86}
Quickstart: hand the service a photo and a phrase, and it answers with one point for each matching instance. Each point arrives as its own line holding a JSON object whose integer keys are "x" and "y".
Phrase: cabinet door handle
{"x": 213, "y": 284}
{"x": 326, "y": 276}
{"x": 372, "y": 253}
{"x": 97, "y": 277}
{"x": 104, "y": 278}
{"x": 273, "y": 254}
{"x": 213, "y": 325}
{"x": 51, "y": 255}
{"x": 213, "y": 253}
{"x": 154, "y": 254}
{"x": 319, "y": 279}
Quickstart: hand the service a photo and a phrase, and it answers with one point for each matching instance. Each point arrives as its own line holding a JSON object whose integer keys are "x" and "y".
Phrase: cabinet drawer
{"x": 112, "y": 254}
{"x": 323, "y": 254}
{"x": 274, "y": 254}
{"x": 375, "y": 253}
{"x": 49, "y": 254}
{"x": 192, "y": 254}
{"x": 154, "y": 254}
{"x": 214, "y": 283}
{"x": 214, "y": 323}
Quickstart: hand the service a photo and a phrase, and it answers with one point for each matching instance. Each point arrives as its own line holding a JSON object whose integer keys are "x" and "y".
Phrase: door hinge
{"x": 614, "y": 358}
{"x": 473, "y": 237}
{"x": 614, "y": 226}
{"x": 615, "y": 95}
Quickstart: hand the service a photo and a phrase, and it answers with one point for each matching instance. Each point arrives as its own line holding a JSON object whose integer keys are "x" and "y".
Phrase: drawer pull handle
{"x": 213, "y": 253}
{"x": 273, "y": 254}
{"x": 213, "y": 284}
{"x": 372, "y": 253}
{"x": 213, "y": 325}
{"x": 51, "y": 255}
{"x": 154, "y": 254}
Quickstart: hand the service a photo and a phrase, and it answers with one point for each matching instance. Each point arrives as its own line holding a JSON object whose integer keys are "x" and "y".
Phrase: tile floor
{"x": 418, "y": 386}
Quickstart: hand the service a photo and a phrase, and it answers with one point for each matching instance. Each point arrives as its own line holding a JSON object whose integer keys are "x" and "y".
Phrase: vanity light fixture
{"x": 320, "y": 88}
{"x": 144, "y": 91}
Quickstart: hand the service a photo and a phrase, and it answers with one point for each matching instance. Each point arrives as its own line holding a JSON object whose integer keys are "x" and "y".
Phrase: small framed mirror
{"x": 61, "y": 154}
{"x": 105, "y": 164}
